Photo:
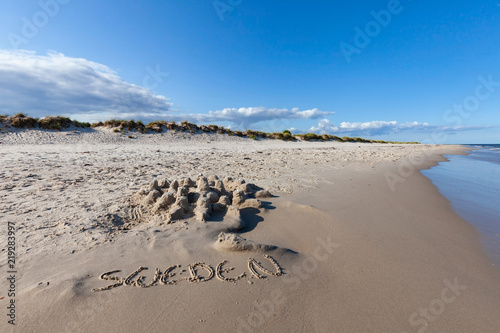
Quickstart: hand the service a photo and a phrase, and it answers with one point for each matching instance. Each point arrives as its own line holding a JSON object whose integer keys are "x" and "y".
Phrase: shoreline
{"x": 471, "y": 195}
{"x": 426, "y": 243}
{"x": 357, "y": 256}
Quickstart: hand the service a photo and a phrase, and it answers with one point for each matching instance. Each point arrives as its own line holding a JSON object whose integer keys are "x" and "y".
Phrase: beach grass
{"x": 59, "y": 123}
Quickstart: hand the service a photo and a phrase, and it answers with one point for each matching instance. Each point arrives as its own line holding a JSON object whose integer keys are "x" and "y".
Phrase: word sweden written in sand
{"x": 167, "y": 276}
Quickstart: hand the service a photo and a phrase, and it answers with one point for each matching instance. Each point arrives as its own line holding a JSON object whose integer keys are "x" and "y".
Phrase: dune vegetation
{"x": 59, "y": 123}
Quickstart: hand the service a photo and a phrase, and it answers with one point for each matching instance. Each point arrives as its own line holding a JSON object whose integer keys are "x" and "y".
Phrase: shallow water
{"x": 472, "y": 184}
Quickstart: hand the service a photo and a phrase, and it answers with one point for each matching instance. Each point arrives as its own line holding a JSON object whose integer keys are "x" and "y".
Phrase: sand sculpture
{"x": 180, "y": 199}
{"x": 185, "y": 198}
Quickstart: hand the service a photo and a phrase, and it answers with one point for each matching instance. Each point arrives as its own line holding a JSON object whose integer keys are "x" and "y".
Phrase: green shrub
{"x": 21, "y": 120}
{"x": 112, "y": 123}
{"x": 81, "y": 124}
{"x": 213, "y": 127}
{"x": 55, "y": 123}
{"x": 261, "y": 134}
{"x": 172, "y": 126}
{"x": 187, "y": 126}
{"x": 156, "y": 126}
{"x": 278, "y": 136}
{"x": 205, "y": 129}
{"x": 312, "y": 136}
{"x": 128, "y": 125}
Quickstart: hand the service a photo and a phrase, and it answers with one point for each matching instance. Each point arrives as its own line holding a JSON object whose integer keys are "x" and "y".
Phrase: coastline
{"x": 473, "y": 195}
{"x": 406, "y": 246}
{"x": 362, "y": 257}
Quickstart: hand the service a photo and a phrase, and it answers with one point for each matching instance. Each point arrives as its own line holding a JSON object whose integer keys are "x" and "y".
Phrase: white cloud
{"x": 59, "y": 85}
{"x": 464, "y": 128}
{"x": 244, "y": 117}
{"x": 380, "y": 127}
{"x": 325, "y": 126}
{"x": 371, "y": 125}
{"x": 376, "y": 127}
{"x": 55, "y": 84}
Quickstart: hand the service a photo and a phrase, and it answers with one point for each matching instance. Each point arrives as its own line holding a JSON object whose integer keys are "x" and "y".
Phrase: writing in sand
{"x": 167, "y": 276}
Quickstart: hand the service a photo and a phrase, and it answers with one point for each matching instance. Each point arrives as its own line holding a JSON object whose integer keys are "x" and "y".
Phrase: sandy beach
{"x": 352, "y": 239}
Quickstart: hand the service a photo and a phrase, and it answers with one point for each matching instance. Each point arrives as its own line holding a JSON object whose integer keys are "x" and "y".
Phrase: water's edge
{"x": 472, "y": 185}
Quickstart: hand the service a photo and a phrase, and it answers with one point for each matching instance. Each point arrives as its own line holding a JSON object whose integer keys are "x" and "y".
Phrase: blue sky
{"x": 419, "y": 70}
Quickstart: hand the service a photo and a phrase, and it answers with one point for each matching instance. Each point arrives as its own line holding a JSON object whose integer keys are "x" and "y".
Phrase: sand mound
{"x": 233, "y": 242}
{"x": 173, "y": 200}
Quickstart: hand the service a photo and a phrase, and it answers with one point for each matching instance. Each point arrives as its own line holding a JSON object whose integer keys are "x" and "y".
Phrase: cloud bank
{"x": 376, "y": 127}
{"x": 244, "y": 117}
{"x": 55, "y": 84}
{"x": 379, "y": 127}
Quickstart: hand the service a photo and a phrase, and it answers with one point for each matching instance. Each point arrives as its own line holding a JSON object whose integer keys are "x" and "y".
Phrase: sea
{"x": 472, "y": 184}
